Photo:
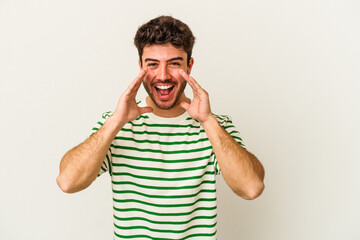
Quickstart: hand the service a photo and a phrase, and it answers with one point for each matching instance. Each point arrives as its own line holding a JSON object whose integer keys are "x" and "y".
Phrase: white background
{"x": 288, "y": 72}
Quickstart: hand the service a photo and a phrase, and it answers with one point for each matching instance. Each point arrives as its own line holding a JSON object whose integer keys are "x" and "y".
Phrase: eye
{"x": 152, "y": 64}
{"x": 175, "y": 64}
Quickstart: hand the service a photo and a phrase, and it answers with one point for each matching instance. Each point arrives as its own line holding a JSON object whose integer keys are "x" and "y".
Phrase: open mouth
{"x": 164, "y": 90}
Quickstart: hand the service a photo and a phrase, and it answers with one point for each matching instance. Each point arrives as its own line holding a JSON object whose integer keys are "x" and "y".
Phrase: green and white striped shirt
{"x": 163, "y": 178}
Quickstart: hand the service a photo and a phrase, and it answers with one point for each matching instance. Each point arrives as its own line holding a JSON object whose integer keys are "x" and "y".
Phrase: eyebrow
{"x": 155, "y": 60}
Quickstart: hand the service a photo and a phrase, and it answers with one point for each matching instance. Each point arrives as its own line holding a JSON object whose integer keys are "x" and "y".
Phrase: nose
{"x": 163, "y": 73}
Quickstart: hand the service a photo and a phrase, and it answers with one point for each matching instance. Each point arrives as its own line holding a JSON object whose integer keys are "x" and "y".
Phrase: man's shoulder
{"x": 222, "y": 118}
{"x": 107, "y": 114}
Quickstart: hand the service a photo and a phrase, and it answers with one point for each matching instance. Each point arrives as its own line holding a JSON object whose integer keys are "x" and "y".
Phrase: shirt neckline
{"x": 168, "y": 120}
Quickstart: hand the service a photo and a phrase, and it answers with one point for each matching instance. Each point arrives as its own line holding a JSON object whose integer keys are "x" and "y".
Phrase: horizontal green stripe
{"x": 162, "y": 179}
{"x": 162, "y": 222}
{"x": 239, "y": 140}
{"x": 229, "y": 126}
{"x": 163, "y": 133}
{"x": 161, "y": 169}
{"x": 223, "y": 118}
{"x": 107, "y": 114}
{"x": 234, "y": 132}
{"x": 157, "y": 238}
{"x": 167, "y": 134}
{"x": 160, "y": 142}
{"x": 162, "y": 151}
{"x": 164, "y": 205}
{"x": 236, "y": 137}
{"x": 163, "y": 187}
{"x": 164, "y": 196}
{"x": 143, "y": 116}
{"x": 162, "y": 160}
{"x": 164, "y": 214}
{"x": 163, "y": 125}
{"x": 165, "y": 230}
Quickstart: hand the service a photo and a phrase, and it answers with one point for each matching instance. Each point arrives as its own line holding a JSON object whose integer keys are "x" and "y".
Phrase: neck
{"x": 175, "y": 111}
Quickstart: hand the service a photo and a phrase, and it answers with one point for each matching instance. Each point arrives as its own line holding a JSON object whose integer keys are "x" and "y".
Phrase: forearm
{"x": 241, "y": 170}
{"x": 80, "y": 166}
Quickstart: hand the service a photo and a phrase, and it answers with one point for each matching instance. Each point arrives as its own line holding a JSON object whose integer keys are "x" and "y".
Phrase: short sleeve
{"x": 106, "y": 165}
{"x": 227, "y": 124}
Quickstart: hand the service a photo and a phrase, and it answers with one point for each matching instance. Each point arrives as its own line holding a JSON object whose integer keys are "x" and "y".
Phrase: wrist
{"x": 113, "y": 124}
{"x": 210, "y": 122}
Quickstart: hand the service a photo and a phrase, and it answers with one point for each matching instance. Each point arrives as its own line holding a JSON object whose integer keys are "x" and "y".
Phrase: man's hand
{"x": 127, "y": 109}
{"x": 80, "y": 166}
{"x": 199, "y": 108}
{"x": 242, "y": 171}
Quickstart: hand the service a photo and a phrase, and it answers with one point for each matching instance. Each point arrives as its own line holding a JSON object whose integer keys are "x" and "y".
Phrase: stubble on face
{"x": 164, "y": 106}
{"x": 163, "y": 82}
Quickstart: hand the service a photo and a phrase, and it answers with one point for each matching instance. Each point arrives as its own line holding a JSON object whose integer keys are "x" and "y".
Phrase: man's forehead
{"x": 163, "y": 52}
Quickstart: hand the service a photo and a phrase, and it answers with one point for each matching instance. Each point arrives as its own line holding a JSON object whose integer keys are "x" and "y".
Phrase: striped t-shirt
{"x": 163, "y": 178}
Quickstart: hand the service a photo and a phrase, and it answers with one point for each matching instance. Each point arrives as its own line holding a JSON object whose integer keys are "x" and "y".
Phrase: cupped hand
{"x": 127, "y": 108}
{"x": 199, "y": 108}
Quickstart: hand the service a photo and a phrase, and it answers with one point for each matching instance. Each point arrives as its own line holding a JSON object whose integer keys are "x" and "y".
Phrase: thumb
{"x": 184, "y": 105}
{"x": 146, "y": 110}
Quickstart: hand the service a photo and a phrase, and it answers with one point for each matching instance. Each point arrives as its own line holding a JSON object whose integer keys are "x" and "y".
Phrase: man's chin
{"x": 165, "y": 105}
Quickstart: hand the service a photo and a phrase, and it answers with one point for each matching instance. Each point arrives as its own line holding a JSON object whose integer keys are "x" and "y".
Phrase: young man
{"x": 163, "y": 153}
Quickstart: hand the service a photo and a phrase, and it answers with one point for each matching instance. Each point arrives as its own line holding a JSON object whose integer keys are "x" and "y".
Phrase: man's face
{"x": 163, "y": 82}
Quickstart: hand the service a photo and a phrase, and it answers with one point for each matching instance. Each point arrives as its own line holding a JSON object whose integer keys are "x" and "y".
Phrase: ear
{"x": 190, "y": 65}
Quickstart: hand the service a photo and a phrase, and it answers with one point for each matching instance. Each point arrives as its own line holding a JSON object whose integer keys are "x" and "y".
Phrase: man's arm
{"x": 80, "y": 166}
{"x": 242, "y": 171}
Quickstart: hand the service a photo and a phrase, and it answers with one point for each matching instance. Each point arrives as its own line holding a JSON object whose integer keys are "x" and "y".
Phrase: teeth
{"x": 164, "y": 86}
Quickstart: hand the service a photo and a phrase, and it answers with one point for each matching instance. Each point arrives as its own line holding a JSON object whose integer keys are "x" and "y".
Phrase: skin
{"x": 164, "y": 65}
{"x": 241, "y": 170}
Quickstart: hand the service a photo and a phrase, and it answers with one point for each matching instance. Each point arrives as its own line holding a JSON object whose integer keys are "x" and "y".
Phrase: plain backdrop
{"x": 287, "y": 72}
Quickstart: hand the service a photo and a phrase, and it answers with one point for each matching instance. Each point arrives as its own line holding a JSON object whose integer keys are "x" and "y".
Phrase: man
{"x": 163, "y": 153}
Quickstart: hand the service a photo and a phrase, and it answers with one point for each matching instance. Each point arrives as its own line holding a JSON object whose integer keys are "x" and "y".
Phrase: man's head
{"x": 165, "y": 46}
{"x": 164, "y": 30}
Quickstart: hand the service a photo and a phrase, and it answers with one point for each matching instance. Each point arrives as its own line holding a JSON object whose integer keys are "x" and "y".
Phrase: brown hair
{"x": 163, "y": 30}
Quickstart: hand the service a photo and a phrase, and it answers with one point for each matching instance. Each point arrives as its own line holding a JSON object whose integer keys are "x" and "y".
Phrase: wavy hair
{"x": 164, "y": 30}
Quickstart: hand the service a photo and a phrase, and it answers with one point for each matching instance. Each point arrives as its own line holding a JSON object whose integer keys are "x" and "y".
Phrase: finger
{"x": 135, "y": 85}
{"x": 193, "y": 84}
{"x": 184, "y": 105}
{"x": 197, "y": 89}
{"x": 137, "y": 82}
{"x": 146, "y": 110}
{"x": 187, "y": 78}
